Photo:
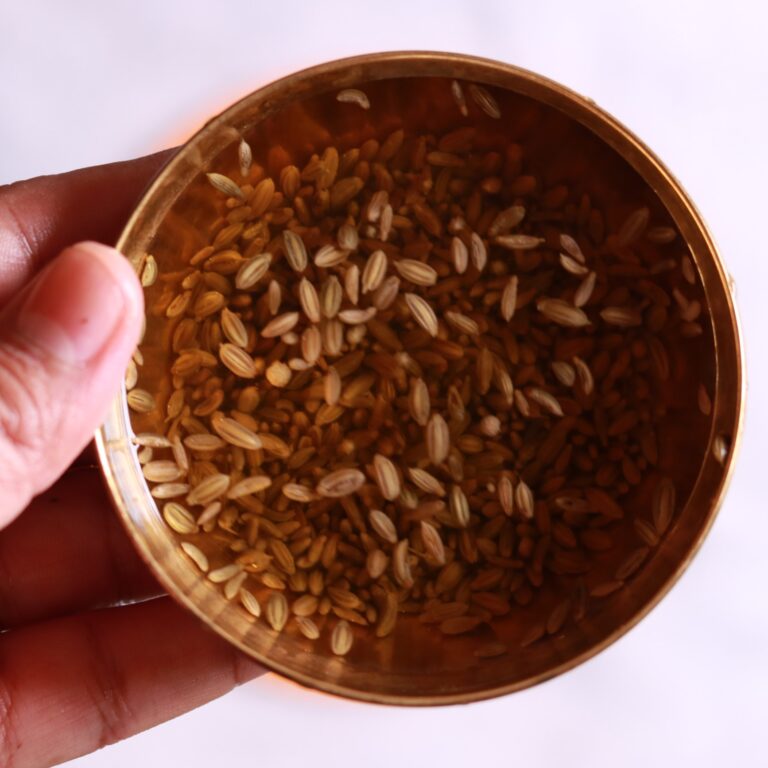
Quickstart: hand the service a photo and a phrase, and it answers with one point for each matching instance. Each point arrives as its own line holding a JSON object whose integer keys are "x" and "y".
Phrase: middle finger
{"x": 67, "y": 552}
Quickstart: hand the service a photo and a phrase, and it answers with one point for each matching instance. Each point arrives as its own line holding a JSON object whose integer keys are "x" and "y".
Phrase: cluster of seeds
{"x": 405, "y": 379}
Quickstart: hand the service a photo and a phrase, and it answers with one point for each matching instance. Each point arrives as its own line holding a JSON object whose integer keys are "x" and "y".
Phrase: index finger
{"x": 40, "y": 217}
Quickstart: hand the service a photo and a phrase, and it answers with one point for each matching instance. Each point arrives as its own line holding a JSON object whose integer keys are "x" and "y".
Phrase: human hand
{"x": 79, "y": 668}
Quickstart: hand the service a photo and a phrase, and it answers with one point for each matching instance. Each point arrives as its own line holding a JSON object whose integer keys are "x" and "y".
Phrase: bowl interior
{"x": 567, "y": 142}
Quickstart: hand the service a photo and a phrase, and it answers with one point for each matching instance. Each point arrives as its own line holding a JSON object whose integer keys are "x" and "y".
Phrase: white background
{"x": 87, "y": 82}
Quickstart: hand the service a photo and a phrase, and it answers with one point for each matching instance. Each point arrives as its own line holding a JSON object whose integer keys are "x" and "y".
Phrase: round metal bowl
{"x": 412, "y": 89}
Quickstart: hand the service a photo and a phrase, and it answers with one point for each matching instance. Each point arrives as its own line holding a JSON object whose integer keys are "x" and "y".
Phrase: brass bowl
{"x": 299, "y": 112}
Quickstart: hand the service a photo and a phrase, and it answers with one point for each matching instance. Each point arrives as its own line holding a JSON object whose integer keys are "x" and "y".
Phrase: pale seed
{"x": 311, "y": 345}
{"x": 426, "y": 482}
{"x": 376, "y": 563}
{"x": 245, "y": 157}
{"x": 437, "y": 438}
{"x": 280, "y": 325}
{"x": 459, "y": 255}
{"x": 509, "y": 298}
{"x": 203, "y": 442}
{"x": 562, "y": 313}
{"x": 232, "y": 586}
{"x": 524, "y": 499}
{"x": 151, "y": 440}
{"x": 278, "y": 374}
{"x": 483, "y": 98}
{"x": 462, "y": 323}
{"x": 209, "y": 489}
{"x": 196, "y": 555}
{"x": 401, "y": 568}
{"x": 418, "y": 402}
{"x": 422, "y": 313}
{"x": 341, "y": 638}
{"x": 237, "y": 360}
{"x": 352, "y": 283}
{"x": 233, "y": 328}
{"x": 377, "y": 202}
{"x": 624, "y": 317}
{"x": 357, "y": 316}
{"x": 386, "y": 477}
{"x": 252, "y": 271}
{"x": 490, "y": 426}
{"x": 584, "y": 374}
{"x": 458, "y": 96}
{"x": 388, "y": 617}
{"x": 179, "y": 518}
{"x": 235, "y": 433}
{"x": 253, "y": 484}
{"x": 225, "y": 185}
{"x": 571, "y": 247}
{"x": 131, "y": 375}
{"x": 506, "y": 495}
{"x": 569, "y": 264}
{"x": 250, "y": 603}
{"x": 332, "y": 386}
{"x": 386, "y": 293}
{"x": 342, "y": 482}
{"x": 141, "y": 401}
{"x": 564, "y": 373}
{"x": 295, "y": 250}
{"x": 354, "y": 96}
{"x": 547, "y": 401}
{"x": 331, "y": 296}
{"x": 374, "y": 272}
{"x": 347, "y": 237}
{"x": 332, "y": 332}
{"x": 584, "y": 291}
{"x": 459, "y": 506}
{"x": 310, "y": 302}
{"x": 519, "y": 242}
{"x": 433, "y": 544}
{"x": 225, "y": 573}
{"x": 307, "y": 627}
{"x": 383, "y": 525}
{"x": 330, "y": 256}
{"x": 633, "y": 226}
{"x": 505, "y": 220}
{"x": 149, "y": 273}
{"x": 416, "y": 272}
{"x": 297, "y": 492}
{"x": 162, "y": 471}
{"x": 277, "y": 611}
{"x": 170, "y": 490}
{"x": 478, "y": 252}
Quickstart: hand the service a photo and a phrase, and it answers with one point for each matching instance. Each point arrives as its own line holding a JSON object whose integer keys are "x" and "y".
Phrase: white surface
{"x": 87, "y": 82}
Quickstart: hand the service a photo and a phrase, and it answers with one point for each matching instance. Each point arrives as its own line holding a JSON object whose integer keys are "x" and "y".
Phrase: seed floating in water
{"x": 354, "y": 96}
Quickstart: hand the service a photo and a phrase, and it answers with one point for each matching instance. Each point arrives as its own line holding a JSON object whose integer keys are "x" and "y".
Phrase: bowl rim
{"x": 574, "y": 106}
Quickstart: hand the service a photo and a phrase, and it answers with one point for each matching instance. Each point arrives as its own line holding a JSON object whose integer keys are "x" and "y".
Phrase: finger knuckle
{"x": 17, "y": 235}
{"x": 108, "y": 691}
{"x": 24, "y": 405}
{"x": 10, "y": 738}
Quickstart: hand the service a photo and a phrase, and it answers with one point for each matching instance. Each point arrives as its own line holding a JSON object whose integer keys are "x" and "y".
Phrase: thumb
{"x": 65, "y": 342}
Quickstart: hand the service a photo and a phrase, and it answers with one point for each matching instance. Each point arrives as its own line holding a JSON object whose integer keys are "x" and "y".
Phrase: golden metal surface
{"x": 297, "y": 113}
